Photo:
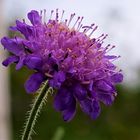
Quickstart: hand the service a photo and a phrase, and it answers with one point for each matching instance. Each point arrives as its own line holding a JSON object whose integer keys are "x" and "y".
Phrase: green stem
{"x": 37, "y": 105}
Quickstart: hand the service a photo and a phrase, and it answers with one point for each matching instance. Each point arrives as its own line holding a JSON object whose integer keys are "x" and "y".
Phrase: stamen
{"x": 48, "y": 75}
{"x": 23, "y": 20}
{"x": 76, "y": 22}
{"x": 86, "y": 82}
{"x": 99, "y": 36}
{"x": 51, "y": 14}
{"x": 110, "y": 49}
{"x": 106, "y": 48}
{"x": 115, "y": 58}
{"x": 88, "y": 28}
{"x": 41, "y": 13}
{"x": 93, "y": 30}
{"x": 103, "y": 51}
{"x": 120, "y": 70}
{"x": 71, "y": 17}
{"x": 80, "y": 27}
{"x": 44, "y": 16}
{"x": 56, "y": 18}
{"x": 66, "y": 21}
{"x": 79, "y": 24}
{"x": 62, "y": 15}
{"x": 105, "y": 36}
{"x": 84, "y": 30}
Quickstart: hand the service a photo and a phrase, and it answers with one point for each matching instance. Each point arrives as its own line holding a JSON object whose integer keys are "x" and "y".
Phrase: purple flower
{"x": 76, "y": 64}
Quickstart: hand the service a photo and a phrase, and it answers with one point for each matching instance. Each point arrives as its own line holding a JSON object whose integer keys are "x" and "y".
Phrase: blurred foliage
{"x": 118, "y": 122}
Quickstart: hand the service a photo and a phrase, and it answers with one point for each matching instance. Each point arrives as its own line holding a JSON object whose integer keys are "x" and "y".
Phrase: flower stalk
{"x": 36, "y": 108}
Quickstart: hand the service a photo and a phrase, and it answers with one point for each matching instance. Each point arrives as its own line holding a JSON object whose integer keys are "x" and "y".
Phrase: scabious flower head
{"x": 74, "y": 63}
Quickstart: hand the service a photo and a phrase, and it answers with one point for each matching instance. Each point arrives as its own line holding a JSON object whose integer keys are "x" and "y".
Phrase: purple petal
{"x": 104, "y": 86}
{"x": 107, "y": 99}
{"x": 10, "y": 60}
{"x": 20, "y": 62}
{"x": 90, "y": 87}
{"x": 63, "y": 99}
{"x": 19, "y": 41}
{"x": 60, "y": 76}
{"x": 57, "y": 80}
{"x": 86, "y": 106}
{"x": 111, "y": 66}
{"x": 12, "y": 45}
{"x": 69, "y": 113}
{"x": 32, "y": 46}
{"x": 52, "y": 62}
{"x": 25, "y": 29}
{"x": 33, "y": 62}
{"x": 117, "y": 78}
{"x": 34, "y": 17}
{"x": 99, "y": 45}
{"x": 95, "y": 109}
{"x": 13, "y": 28}
{"x": 91, "y": 107}
{"x": 80, "y": 92}
{"x": 34, "y": 82}
{"x": 55, "y": 84}
{"x": 97, "y": 74}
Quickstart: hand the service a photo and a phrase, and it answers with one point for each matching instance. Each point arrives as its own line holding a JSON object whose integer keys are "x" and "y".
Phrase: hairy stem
{"x": 37, "y": 105}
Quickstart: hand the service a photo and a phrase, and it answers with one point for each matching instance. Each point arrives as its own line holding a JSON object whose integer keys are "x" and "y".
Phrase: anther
{"x": 51, "y": 13}
{"x": 66, "y": 21}
{"x": 23, "y": 20}
{"x": 56, "y": 18}
{"x": 41, "y": 12}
